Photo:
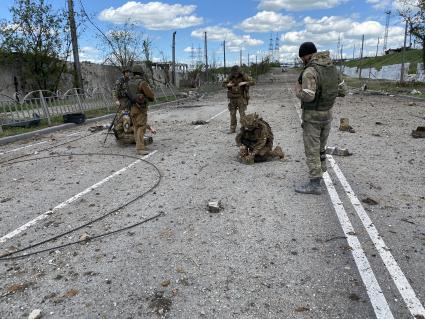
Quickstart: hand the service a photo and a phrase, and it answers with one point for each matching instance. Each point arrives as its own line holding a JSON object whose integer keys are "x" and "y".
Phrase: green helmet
{"x": 235, "y": 69}
{"x": 138, "y": 69}
{"x": 250, "y": 121}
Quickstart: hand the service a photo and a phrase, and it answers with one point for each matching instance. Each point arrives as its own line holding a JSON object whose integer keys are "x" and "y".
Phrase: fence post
{"x": 44, "y": 107}
{"x": 80, "y": 105}
{"x": 105, "y": 101}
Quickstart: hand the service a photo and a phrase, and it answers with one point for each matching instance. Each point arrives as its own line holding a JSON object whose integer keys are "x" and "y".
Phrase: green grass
{"x": 391, "y": 87}
{"x": 55, "y": 120}
{"x": 411, "y": 56}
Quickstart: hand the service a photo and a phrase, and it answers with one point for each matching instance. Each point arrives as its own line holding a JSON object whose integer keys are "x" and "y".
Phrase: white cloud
{"x": 153, "y": 15}
{"x": 233, "y": 42}
{"x": 266, "y": 21}
{"x": 380, "y": 4}
{"x": 90, "y": 54}
{"x": 327, "y": 24}
{"x": 188, "y": 49}
{"x": 298, "y": 5}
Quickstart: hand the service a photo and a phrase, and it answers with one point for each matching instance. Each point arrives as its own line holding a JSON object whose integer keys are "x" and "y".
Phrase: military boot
{"x": 232, "y": 130}
{"x": 278, "y": 152}
{"x": 312, "y": 187}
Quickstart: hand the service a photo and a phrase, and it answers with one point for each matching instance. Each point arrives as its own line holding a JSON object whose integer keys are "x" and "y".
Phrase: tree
{"x": 413, "y": 12}
{"x": 123, "y": 46}
{"x": 38, "y": 39}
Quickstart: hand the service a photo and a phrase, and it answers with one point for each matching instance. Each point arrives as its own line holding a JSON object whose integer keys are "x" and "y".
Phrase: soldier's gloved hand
{"x": 243, "y": 83}
{"x": 152, "y": 130}
{"x": 117, "y": 103}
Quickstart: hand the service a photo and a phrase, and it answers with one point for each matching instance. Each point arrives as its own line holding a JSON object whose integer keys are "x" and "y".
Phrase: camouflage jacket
{"x": 310, "y": 79}
{"x": 236, "y": 91}
{"x": 121, "y": 88}
{"x": 255, "y": 140}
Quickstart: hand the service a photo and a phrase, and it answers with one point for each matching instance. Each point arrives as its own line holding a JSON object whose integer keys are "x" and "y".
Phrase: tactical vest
{"x": 134, "y": 93}
{"x": 237, "y": 91}
{"x": 327, "y": 88}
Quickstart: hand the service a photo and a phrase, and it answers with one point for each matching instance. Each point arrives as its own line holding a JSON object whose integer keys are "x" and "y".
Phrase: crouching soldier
{"x": 255, "y": 141}
{"x": 124, "y": 129}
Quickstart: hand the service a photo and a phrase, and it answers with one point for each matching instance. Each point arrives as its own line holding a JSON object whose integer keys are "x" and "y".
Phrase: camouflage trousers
{"x": 235, "y": 105}
{"x": 316, "y": 127}
{"x": 139, "y": 117}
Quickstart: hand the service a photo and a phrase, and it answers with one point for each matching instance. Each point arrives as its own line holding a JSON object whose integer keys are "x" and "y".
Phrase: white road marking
{"x": 198, "y": 126}
{"x": 374, "y": 291}
{"x": 20, "y": 148}
{"x": 69, "y": 201}
{"x": 413, "y": 303}
{"x": 72, "y": 134}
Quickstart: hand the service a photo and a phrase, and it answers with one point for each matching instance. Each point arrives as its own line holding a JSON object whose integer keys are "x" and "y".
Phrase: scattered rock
{"x": 344, "y": 125}
{"x": 378, "y": 123}
{"x": 4, "y": 200}
{"x": 165, "y": 283}
{"x": 35, "y": 314}
{"x": 302, "y": 309}
{"x": 85, "y": 237}
{"x": 13, "y": 289}
{"x": 199, "y": 122}
{"x": 412, "y": 104}
{"x": 354, "y": 297}
{"x": 214, "y": 207}
{"x": 71, "y": 293}
{"x": 419, "y": 132}
{"x": 338, "y": 151}
{"x": 369, "y": 201}
{"x": 159, "y": 303}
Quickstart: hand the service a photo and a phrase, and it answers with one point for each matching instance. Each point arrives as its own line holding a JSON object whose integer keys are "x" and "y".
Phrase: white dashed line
{"x": 212, "y": 118}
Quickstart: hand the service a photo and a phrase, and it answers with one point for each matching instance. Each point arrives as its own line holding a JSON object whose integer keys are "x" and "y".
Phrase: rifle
{"x": 111, "y": 126}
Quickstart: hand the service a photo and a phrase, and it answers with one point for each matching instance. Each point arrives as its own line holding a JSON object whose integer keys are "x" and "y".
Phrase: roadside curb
{"x": 47, "y": 130}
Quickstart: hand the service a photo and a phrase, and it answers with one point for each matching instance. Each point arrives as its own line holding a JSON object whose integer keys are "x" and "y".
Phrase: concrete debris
{"x": 338, "y": 151}
{"x": 35, "y": 314}
{"x": 85, "y": 237}
{"x": 214, "y": 206}
{"x": 344, "y": 125}
{"x": 419, "y": 132}
{"x": 415, "y": 92}
{"x": 412, "y": 104}
{"x": 98, "y": 128}
{"x": 369, "y": 201}
{"x": 199, "y": 122}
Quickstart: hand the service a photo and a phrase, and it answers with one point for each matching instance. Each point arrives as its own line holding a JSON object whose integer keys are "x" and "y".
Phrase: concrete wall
{"x": 98, "y": 76}
{"x": 388, "y": 72}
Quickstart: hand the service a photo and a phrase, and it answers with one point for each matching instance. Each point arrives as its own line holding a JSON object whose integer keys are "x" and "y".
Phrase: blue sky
{"x": 245, "y": 25}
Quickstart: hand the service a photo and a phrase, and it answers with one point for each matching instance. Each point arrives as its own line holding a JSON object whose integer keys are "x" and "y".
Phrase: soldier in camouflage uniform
{"x": 139, "y": 94}
{"x": 238, "y": 93}
{"x": 318, "y": 86}
{"x": 120, "y": 90}
{"x": 255, "y": 140}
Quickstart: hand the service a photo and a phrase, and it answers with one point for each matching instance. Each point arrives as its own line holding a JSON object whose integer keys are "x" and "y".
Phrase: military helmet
{"x": 138, "y": 69}
{"x": 235, "y": 69}
{"x": 250, "y": 121}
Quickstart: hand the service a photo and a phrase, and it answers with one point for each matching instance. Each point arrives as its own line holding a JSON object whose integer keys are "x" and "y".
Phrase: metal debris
{"x": 214, "y": 206}
{"x": 338, "y": 151}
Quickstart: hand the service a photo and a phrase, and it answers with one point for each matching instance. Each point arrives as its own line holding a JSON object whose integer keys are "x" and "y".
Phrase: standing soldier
{"x": 139, "y": 94}
{"x": 120, "y": 91}
{"x": 318, "y": 86}
{"x": 238, "y": 93}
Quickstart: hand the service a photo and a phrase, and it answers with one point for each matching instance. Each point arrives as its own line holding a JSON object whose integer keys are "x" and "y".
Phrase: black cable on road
{"x": 11, "y": 255}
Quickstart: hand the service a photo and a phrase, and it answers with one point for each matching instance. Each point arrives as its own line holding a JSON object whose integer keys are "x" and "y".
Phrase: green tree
{"x": 37, "y": 40}
{"x": 413, "y": 12}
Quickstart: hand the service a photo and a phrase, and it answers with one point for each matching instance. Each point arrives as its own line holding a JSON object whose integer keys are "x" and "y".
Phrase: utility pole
{"x": 354, "y": 51}
{"x": 224, "y": 55}
{"x": 342, "y": 49}
{"x": 78, "y": 79}
{"x": 206, "y": 55}
{"x": 387, "y": 24}
{"x": 173, "y": 72}
{"x": 240, "y": 58}
{"x": 248, "y": 59}
{"x": 256, "y": 66}
{"x": 361, "y": 57}
{"x": 377, "y": 48}
{"x": 403, "y": 55}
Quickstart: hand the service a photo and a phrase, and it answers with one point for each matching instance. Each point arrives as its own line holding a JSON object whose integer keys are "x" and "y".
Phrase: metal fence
{"x": 45, "y": 105}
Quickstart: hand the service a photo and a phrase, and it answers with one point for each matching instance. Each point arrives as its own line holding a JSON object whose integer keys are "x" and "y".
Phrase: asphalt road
{"x": 269, "y": 253}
